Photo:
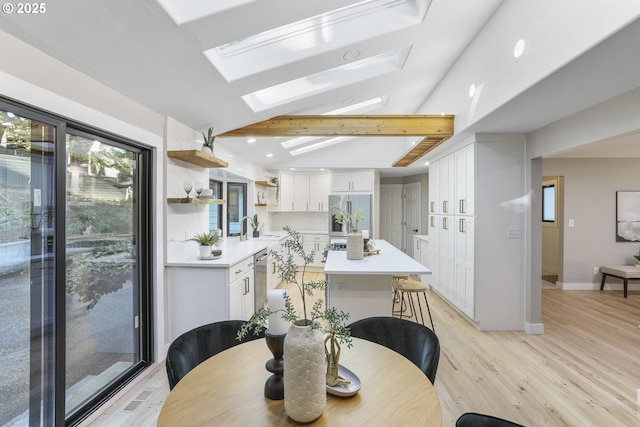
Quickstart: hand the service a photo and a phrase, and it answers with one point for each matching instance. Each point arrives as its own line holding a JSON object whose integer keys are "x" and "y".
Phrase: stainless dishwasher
{"x": 260, "y": 279}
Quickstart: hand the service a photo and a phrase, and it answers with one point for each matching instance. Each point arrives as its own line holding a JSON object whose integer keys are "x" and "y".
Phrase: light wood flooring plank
{"x": 584, "y": 371}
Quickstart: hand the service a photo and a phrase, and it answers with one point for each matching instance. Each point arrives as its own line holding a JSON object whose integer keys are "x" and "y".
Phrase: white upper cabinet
{"x": 300, "y": 192}
{"x": 352, "y": 181}
{"x": 465, "y": 181}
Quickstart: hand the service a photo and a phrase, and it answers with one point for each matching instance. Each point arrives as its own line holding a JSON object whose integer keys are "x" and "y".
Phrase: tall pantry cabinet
{"x": 451, "y": 231}
{"x": 477, "y": 194}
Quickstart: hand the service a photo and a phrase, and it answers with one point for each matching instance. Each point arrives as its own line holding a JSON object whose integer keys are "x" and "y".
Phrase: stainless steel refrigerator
{"x": 350, "y": 203}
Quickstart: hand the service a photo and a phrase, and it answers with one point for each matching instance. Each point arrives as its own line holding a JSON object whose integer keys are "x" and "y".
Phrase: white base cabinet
{"x": 201, "y": 295}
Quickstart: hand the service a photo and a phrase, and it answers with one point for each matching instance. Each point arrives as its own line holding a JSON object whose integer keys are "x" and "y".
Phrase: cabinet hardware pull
{"x": 461, "y": 225}
{"x": 462, "y": 206}
{"x": 432, "y": 219}
{"x": 444, "y": 206}
{"x": 238, "y": 271}
{"x": 433, "y": 206}
{"x": 274, "y": 267}
{"x": 246, "y": 285}
{"x": 445, "y": 223}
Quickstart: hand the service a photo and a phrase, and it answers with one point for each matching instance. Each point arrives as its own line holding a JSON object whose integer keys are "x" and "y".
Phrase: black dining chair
{"x": 472, "y": 419}
{"x": 414, "y": 341}
{"x": 197, "y": 345}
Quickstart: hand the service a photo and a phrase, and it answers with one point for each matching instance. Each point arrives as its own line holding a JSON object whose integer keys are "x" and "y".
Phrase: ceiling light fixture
{"x": 251, "y": 140}
{"x": 472, "y": 90}
{"x": 518, "y": 49}
{"x": 269, "y": 154}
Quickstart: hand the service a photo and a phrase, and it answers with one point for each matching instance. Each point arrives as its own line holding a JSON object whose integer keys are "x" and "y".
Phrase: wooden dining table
{"x": 228, "y": 390}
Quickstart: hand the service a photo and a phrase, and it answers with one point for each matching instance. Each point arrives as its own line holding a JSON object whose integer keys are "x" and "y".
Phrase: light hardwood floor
{"x": 584, "y": 371}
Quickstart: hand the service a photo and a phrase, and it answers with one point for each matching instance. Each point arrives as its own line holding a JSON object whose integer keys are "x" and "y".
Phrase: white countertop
{"x": 185, "y": 254}
{"x": 390, "y": 260}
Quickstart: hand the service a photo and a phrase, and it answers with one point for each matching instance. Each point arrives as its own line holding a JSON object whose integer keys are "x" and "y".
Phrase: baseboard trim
{"x": 534, "y": 328}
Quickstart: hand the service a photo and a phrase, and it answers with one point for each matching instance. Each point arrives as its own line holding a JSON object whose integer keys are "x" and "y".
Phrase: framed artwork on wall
{"x": 628, "y": 216}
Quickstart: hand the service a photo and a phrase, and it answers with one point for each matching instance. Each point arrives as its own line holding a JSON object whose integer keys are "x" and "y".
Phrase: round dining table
{"x": 228, "y": 390}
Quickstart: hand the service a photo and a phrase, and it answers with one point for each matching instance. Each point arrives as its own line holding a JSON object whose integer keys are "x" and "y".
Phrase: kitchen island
{"x": 363, "y": 287}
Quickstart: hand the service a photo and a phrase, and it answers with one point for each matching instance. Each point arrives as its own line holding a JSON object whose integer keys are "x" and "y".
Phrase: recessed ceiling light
{"x": 292, "y": 169}
{"x": 270, "y": 155}
{"x": 518, "y": 49}
{"x": 251, "y": 140}
{"x": 426, "y": 163}
{"x": 352, "y": 54}
{"x": 472, "y": 91}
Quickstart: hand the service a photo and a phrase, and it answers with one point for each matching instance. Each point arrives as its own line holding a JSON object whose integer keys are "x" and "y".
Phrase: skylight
{"x": 313, "y": 36}
{"x": 183, "y": 11}
{"x": 326, "y": 80}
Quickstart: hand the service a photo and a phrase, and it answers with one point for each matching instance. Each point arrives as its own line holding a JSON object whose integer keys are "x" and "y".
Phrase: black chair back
{"x": 416, "y": 342}
{"x": 472, "y": 419}
{"x": 197, "y": 345}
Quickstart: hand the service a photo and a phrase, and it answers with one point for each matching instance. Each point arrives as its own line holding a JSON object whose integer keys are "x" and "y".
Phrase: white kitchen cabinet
{"x": 301, "y": 192}
{"x": 465, "y": 180}
{"x": 464, "y": 283}
{"x": 352, "y": 181}
{"x": 241, "y": 290}
{"x": 287, "y": 195}
{"x": 451, "y": 228}
{"x": 319, "y": 188}
{"x": 315, "y": 243}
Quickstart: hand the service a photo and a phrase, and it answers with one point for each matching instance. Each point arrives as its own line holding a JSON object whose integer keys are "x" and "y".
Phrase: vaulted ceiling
{"x": 234, "y": 63}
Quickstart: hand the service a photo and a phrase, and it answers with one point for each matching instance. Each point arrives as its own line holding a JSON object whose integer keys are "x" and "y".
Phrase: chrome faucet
{"x": 243, "y": 235}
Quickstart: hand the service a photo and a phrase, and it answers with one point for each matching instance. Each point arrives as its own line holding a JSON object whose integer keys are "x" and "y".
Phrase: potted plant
{"x": 255, "y": 224}
{"x": 206, "y": 240}
{"x": 355, "y": 240}
{"x": 208, "y": 138}
{"x": 637, "y": 257}
{"x": 348, "y": 219}
{"x": 304, "y": 345}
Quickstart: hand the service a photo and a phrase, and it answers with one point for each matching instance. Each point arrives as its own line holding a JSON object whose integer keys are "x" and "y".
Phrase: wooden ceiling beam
{"x": 350, "y": 125}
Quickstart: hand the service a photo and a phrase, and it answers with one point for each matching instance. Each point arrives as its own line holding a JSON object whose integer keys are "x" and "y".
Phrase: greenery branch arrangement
{"x": 637, "y": 256}
{"x": 207, "y": 238}
{"x": 345, "y": 218}
{"x": 330, "y": 321}
{"x": 208, "y": 138}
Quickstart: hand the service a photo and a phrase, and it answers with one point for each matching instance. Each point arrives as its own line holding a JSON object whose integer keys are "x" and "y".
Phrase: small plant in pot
{"x": 637, "y": 257}
{"x": 208, "y": 139}
{"x": 207, "y": 240}
{"x": 255, "y": 224}
{"x": 348, "y": 219}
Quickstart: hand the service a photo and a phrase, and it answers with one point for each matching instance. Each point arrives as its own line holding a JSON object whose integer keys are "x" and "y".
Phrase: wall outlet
{"x": 514, "y": 233}
{"x": 596, "y": 270}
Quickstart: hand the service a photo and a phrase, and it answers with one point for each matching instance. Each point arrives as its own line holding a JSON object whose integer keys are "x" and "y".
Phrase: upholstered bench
{"x": 624, "y": 272}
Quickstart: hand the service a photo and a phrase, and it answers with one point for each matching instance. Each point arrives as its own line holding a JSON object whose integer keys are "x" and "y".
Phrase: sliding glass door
{"x": 75, "y": 256}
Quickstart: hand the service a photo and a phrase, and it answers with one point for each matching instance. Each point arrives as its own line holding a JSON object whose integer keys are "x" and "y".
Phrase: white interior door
{"x": 391, "y": 214}
{"x": 412, "y": 203}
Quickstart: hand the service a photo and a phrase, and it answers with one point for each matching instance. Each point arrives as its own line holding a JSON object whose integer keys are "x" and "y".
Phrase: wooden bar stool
{"x": 403, "y": 284}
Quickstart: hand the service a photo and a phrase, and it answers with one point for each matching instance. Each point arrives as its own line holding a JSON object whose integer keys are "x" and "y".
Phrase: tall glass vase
{"x": 305, "y": 392}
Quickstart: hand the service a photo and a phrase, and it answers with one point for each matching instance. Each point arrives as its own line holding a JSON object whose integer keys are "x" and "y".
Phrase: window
{"x": 549, "y": 203}
{"x": 236, "y": 207}
{"x": 75, "y": 265}
{"x": 215, "y": 211}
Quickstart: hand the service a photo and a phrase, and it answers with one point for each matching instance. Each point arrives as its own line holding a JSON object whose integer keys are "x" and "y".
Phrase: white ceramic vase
{"x": 355, "y": 246}
{"x": 205, "y": 251}
{"x": 305, "y": 391}
{"x": 207, "y": 150}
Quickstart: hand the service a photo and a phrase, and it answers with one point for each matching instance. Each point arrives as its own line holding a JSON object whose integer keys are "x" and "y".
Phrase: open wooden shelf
{"x": 266, "y": 184}
{"x": 195, "y": 201}
{"x": 269, "y": 205}
{"x": 197, "y": 157}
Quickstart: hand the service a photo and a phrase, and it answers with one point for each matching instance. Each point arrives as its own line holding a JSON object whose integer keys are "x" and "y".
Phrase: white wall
{"x": 590, "y": 187}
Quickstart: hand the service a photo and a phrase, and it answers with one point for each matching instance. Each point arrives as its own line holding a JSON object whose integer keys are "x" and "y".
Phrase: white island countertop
{"x": 389, "y": 261}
